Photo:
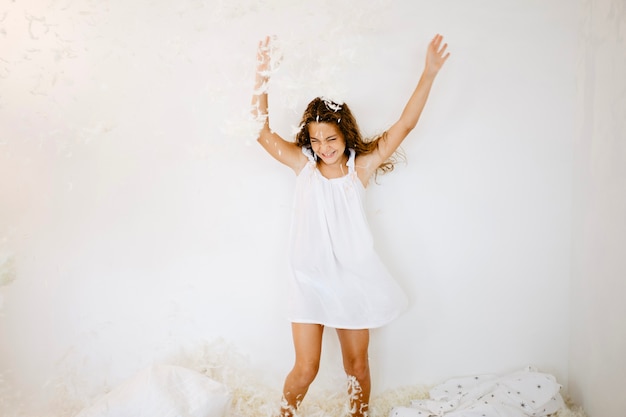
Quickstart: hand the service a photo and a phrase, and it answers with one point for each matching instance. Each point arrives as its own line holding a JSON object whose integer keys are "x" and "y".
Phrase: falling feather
{"x": 7, "y": 268}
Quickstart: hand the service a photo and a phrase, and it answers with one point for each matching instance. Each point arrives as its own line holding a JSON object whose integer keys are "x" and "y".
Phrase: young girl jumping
{"x": 338, "y": 279}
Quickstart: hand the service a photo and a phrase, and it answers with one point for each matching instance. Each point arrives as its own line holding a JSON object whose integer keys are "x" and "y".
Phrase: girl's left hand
{"x": 436, "y": 55}
{"x": 268, "y": 58}
{"x": 263, "y": 59}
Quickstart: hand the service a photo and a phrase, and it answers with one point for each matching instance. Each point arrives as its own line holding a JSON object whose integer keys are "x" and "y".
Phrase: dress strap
{"x": 308, "y": 153}
{"x": 350, "y": 162}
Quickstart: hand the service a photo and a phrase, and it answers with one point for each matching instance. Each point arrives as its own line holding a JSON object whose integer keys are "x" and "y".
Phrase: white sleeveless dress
{"x": 338, "y": 279}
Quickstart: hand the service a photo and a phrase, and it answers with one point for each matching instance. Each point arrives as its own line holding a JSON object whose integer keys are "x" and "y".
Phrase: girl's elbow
{"x": 264, "y": 133}
{"x": 406, "y": 124}
{"x": 407, "y": 127}
{"x": 265, "y": 136}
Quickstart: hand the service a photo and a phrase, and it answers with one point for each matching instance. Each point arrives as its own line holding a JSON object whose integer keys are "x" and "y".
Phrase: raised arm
{"x": 436, "y": 56}
{"x": 285, "y": 152}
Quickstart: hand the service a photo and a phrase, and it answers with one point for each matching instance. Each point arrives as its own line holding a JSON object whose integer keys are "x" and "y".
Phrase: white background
{"x": 143, "y": 219}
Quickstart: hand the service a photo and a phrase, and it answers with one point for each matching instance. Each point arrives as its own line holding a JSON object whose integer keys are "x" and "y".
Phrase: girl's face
{"x": 327, "y": 142}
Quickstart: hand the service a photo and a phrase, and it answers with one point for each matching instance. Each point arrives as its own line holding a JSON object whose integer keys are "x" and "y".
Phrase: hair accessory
{"x": 331, "y": 105}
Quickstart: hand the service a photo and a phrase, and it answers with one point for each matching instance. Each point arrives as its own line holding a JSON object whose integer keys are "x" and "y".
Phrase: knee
{"x": 305, "y": 373}
{"x": 358, "y": 368}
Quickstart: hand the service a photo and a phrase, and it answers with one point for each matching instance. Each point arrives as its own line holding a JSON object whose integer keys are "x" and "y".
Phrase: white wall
{"x": 143, "y": 220}
{"x": 598, "y": 335}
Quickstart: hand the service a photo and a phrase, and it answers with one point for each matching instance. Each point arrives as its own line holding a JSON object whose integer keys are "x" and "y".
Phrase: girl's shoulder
{"x": 367, "y": 161}
{"x": 365, "y": 167}
{"x": 305, "y": 156}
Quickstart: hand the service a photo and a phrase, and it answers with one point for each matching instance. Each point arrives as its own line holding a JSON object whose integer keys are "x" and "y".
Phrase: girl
{"x": 338, "y": 279}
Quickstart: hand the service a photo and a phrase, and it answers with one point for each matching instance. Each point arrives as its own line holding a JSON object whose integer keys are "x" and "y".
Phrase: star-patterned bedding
{"x": 520, "y": 394}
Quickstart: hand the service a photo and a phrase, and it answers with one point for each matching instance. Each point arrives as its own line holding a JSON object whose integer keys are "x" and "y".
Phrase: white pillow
{"x": 163, "y": 391}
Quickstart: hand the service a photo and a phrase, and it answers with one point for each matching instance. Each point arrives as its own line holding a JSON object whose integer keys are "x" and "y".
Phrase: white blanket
{"x": 521, "y": 394}
{"x": 163, "y": 391}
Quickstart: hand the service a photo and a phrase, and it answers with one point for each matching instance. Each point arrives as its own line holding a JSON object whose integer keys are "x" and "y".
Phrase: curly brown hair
{"x": 323, "y": 110}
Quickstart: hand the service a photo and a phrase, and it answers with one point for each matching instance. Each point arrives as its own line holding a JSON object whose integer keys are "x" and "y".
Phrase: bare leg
{"x": 307, "y": 341}
{"x": 354, "y": 347}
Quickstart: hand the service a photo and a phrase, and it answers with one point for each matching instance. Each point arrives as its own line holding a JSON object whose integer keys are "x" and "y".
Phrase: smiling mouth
{"x": 328, "y": 155}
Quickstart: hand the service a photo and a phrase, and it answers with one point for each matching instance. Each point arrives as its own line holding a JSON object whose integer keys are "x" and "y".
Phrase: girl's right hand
{"x": 436, "y": 55}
